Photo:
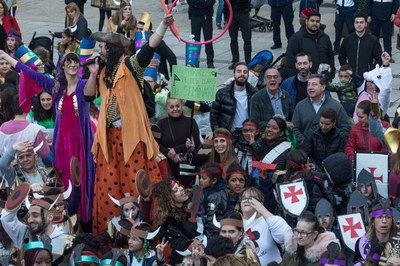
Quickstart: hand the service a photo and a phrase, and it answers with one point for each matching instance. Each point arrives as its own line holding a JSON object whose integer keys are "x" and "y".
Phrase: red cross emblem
{"x": 293, "y": 193}
{"x": 372, "y": 171}
{"x": 351, "y": 227}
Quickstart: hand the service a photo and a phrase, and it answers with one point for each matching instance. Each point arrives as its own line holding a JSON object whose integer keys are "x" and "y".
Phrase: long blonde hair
{"x": 118, "y": 17}
{"x": 72, "y": 6}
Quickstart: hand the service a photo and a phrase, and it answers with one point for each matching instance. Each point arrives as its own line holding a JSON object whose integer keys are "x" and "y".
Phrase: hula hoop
{"x": 175, "y": 31}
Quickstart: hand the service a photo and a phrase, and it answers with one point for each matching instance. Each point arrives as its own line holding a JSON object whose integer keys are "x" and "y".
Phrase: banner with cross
{"x": 351, "y": 228}
{"x": 293, "y": 197}
{"x": 378, "y": 165}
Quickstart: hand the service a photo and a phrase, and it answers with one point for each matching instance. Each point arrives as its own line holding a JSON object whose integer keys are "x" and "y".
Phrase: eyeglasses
{"x": 244, "y": 199}
{"x": 68, "y": 63}
{"x": 381, "y": 217}
{"x": 272, "y": 76}
{"x": 301, "y": 234}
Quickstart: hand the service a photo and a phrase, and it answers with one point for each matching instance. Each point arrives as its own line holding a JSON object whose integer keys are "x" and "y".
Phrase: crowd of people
{"x": 101, "y": 165}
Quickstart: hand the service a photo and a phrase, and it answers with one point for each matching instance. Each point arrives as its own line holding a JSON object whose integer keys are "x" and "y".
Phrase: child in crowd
{"x": 214, "y": 195}
{"x": 324, "y": 139}
{"x": 236, "y": 180}
{"x": 367, "y": 186}
{"x": 243, "y": 138}
{"x": 346, "y": 88}
{"x": 140, "y": 252}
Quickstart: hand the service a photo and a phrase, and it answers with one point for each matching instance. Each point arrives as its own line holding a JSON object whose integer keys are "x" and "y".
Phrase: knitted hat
{"x": 338, "y": 166}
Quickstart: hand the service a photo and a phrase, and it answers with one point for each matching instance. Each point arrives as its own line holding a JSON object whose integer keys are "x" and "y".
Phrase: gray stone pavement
{"x": 42, "y": 16}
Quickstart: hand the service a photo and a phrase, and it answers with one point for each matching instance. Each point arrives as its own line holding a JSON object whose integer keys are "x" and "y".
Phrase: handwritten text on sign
{"x": 195, "y": 84}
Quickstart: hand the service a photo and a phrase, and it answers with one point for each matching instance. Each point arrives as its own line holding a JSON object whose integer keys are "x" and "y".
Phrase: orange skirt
{"x": 116, "y": 177}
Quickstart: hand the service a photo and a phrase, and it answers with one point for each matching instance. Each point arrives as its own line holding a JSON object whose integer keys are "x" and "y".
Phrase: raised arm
{"x": 45, "y": 82}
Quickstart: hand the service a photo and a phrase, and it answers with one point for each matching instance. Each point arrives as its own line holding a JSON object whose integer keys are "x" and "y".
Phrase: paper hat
{"x": 86, "y": 48}
{"x": 145, "y": 18}
{"x": 141, "y": 37}
{"x": 27, "y": 57}
{"x": 193, "y": 55}
{"x": 151, "y": 71}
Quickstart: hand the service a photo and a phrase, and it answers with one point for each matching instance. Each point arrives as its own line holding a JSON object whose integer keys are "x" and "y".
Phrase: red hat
{"x": 306, "y": 11}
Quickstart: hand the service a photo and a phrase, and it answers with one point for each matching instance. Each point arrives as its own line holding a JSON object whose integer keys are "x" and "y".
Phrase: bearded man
{"x": 232, "y": 103}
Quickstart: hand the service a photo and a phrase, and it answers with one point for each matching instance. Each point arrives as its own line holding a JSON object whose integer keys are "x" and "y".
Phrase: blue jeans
{"x": 386, "y": 26}
{"x": 220, "y": 10}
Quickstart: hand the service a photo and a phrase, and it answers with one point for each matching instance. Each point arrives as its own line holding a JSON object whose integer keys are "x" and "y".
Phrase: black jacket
{"x": 239, "y": 5}
{"x": 360, "y": 53}
{"x": 318, "y": 46}
{"x": 318, "y": 146}
{"x": 200, "y": 7}
{"x": 381, "y": 10}
{"x": 224, "y": 107}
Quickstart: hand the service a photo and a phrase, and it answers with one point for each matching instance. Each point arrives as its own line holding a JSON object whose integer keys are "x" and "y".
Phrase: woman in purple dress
{"x": 73, "y": 133}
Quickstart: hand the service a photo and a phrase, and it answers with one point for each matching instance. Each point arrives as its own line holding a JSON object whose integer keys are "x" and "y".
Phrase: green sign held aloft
{"x": 194, "y": 84}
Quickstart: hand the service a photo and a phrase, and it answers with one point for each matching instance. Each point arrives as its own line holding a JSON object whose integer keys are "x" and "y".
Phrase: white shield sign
{"x": 378, "y": 165}
{"x": 294, "y": 197}
{"x": 352, "y": 228}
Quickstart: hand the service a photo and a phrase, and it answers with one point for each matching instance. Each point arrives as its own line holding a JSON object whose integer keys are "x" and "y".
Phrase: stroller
{"x": 44, "y": 41}
{"x": 263, "y": 24}
{"x": 260, "y": 63}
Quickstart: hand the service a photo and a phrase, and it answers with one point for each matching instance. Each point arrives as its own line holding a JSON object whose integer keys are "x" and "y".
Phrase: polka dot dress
{"x": 116, "y": 177}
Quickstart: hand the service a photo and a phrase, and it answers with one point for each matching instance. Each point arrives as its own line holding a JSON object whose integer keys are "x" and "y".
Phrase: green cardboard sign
{"x": 194, "y": 84}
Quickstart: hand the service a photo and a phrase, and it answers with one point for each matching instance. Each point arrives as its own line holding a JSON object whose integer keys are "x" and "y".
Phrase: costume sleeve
{"x": 13, "y": 227}
{"x": 357, "y": 254}
{"x": 279, "y": 228}
{"x": 45, "y": 82}
{"x": 138, "y": 62}
{"x": 376, "y": 129}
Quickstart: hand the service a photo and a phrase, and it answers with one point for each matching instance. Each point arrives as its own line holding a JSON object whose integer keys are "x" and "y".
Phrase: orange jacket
{"x": 135, "y": 125}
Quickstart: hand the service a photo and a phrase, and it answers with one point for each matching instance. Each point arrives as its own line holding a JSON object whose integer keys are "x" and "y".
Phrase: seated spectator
{"x": 360, "y": 138}
{"x": 324, "y": 139}
{"x": 14, "y": 40}
{"x": 367, "y": 186}
{"x": 268, "y": 230}
{"x": 236, "y": 180}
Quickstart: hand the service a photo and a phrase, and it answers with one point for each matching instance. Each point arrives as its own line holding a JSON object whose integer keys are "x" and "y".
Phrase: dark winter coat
{"x": 318, "y": 145}
{"x": 224, "y": 107}
{"x": 318, "y": 46}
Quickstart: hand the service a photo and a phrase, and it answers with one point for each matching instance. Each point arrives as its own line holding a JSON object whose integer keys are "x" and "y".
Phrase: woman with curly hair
{"x": 223, "y": 151}
{"x": 171, "y": 213}
{"x": 38, "y": 253}
{"x": 123, "y": 21}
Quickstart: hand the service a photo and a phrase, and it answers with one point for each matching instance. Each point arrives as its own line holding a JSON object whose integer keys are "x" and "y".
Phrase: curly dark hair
{"x": 219, "y": 246}
{"x": 165, "y": 203}
{"x": 114, "y": 54}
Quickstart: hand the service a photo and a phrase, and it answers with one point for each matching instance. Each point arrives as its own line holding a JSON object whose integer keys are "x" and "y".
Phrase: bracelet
{"x": 162, "y": 29}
